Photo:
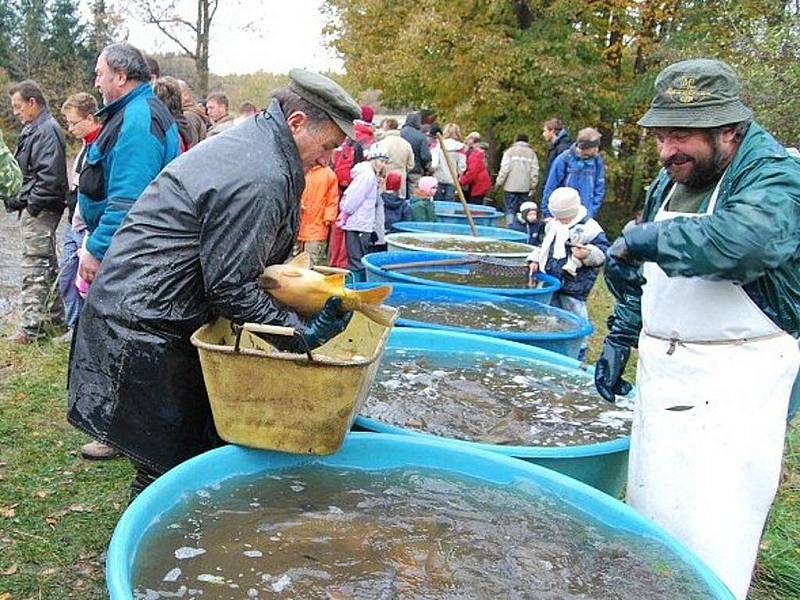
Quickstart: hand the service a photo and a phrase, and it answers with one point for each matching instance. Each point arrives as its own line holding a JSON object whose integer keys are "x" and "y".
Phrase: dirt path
{"x": 10, "y": 255}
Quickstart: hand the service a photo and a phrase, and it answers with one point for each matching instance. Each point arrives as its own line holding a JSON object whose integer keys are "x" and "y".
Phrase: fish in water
{"x": 299, "y": 287}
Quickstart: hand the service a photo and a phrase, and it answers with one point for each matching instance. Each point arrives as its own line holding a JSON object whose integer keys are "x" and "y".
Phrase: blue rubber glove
{"x": 326, "y": 324}
{"x": 608, "y": 371}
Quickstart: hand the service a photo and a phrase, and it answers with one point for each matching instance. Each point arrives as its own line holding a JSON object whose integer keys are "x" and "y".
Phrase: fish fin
{"x": 336, "y": 279}
{"x": 374, "y": 295}
{"x": 290, "y": 272}
{"x": 267, "y": 282}
{"x": 380, "y": 313}
{"x": 301, "y": 261}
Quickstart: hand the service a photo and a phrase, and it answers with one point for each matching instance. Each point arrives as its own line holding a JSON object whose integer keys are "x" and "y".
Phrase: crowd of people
{"x": 388, "y": 173}
{"x": 168, "y": 228}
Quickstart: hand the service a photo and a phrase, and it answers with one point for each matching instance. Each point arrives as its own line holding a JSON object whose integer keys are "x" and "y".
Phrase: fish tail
{"x": 374, "y": 295}
{"x": 381, "y": 314}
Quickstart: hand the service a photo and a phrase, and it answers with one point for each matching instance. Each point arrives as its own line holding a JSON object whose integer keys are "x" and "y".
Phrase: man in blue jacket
{"x": 581, "y": 168}
{"x": 139, "y": 137}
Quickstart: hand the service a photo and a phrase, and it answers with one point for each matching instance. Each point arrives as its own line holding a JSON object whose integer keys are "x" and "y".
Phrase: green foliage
{"x": 47, "y": 41}
{"x": 505, "y": 66}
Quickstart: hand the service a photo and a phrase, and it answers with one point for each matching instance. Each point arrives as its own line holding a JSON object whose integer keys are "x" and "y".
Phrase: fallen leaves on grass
{"x": 53, "y": 518}
{"x": 10, "y": 570}
{"x": 8, "y": 512}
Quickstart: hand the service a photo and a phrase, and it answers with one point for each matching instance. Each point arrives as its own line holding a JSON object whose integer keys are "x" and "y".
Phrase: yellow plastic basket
{"x": 299, "y": 403}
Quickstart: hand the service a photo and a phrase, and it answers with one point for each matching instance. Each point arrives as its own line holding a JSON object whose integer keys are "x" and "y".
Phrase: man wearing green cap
{"x": 191, "y": 249}
{"x": 708, "y": 287}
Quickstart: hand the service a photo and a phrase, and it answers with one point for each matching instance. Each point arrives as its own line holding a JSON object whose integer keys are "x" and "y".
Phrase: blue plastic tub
{"x": 566, "y": 342}
{"x": 498, "y": 233}
{"x": 377, "y": 452}
{"x": 603, "y": 465}
{"x": 373, "y": 264}
{"x": 453, "y": 212}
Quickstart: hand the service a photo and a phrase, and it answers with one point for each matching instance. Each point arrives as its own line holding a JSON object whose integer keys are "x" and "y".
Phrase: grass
{"x": 57, "y": 511}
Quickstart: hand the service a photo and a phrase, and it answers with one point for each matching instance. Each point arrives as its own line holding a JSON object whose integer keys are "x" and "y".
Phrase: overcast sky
{"x": 282, "y": 34}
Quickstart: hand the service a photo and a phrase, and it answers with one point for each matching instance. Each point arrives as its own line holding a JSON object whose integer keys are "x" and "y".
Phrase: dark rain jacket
{"x": 751, "y": 239}
{"x": 190, "y": 249}
{"x": 42, "y": 160}
{"x": 410, "y": 132}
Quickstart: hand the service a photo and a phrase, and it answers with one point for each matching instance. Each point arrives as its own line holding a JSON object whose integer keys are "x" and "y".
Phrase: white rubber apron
{"x": 714, "y": 379}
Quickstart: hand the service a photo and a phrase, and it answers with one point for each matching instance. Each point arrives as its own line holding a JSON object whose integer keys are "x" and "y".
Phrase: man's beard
{"x": 705, "y": 170}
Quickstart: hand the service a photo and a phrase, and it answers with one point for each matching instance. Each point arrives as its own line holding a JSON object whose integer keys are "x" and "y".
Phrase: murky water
{"x": 473, "y": 277}
{"x": 488, "y": 316}
{"x": 507, "y": 401}
{"x": 462, "y": 244}
{"x": 339, "y": 534}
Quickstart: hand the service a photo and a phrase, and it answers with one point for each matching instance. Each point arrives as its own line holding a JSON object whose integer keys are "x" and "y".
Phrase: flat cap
{"x": 328, "y": 96}
{"x": 698, "y": 93}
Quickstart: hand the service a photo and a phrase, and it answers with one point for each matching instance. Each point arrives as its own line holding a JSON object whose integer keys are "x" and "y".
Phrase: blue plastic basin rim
{"x": 516, "y": 336}
{"x": 579, "y": 451}
{"x": 230, "y": 461}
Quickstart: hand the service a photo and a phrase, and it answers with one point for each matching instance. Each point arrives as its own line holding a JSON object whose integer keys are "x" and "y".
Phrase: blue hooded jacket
{"x": 139, "y": 137}
{"x": 587, "y": 175}
{"x": 395, "y": 209}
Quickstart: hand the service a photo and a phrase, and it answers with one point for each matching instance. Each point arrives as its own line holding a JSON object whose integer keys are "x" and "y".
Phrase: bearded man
{"x": 708, "y": 287}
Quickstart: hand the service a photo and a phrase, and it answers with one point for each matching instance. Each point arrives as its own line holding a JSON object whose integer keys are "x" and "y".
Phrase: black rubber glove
{"x": 326, "y": 324}
{"x": 608, "y": 371}
{"x": 622, "y": 272}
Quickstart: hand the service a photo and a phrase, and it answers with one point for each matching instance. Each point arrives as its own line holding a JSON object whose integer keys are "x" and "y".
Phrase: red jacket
{"x": 477, "y": 175}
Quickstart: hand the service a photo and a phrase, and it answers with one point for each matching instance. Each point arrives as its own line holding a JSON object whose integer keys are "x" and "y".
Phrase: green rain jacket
{"x": 753, "y": 237}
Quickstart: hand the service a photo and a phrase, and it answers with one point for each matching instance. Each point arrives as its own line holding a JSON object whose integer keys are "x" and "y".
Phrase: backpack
{"x": 344, "y": 158}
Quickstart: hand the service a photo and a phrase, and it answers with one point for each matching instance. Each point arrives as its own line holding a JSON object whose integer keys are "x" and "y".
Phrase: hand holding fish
{"x": 297, "y": 286}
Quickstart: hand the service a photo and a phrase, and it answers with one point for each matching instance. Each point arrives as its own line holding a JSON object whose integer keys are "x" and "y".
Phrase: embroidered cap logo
{"x": 686, "y": 92}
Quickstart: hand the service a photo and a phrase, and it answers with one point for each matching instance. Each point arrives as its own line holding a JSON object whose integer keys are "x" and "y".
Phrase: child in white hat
{"x": 573, "y": 249}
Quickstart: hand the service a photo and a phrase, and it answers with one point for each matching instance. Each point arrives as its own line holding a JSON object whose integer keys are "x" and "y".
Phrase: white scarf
{"x": 556, "y": 236}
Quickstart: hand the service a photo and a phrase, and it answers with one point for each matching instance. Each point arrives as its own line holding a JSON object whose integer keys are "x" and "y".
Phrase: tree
{"x": 30, "y": 55}
{"x": 106, "y": 27}
{"x": 192, "y": 37}
{"x": 505, "y": 66}
{"x": 69, "y": 52}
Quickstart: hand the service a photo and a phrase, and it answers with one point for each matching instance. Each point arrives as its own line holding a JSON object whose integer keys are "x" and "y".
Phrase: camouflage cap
{"x": 329, "y": 96}
{"x": 698, "y": 93}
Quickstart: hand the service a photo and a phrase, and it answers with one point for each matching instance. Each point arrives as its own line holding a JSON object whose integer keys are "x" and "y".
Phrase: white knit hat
{"x": 564, "y": 203}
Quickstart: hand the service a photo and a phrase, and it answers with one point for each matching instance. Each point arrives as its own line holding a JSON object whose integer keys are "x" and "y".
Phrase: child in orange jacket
{"x": 319, "y": 206}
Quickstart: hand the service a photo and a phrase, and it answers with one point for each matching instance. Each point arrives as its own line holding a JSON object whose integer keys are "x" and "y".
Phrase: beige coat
{"x": 519, "y": 169}
{"x": 401, "y": 156}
